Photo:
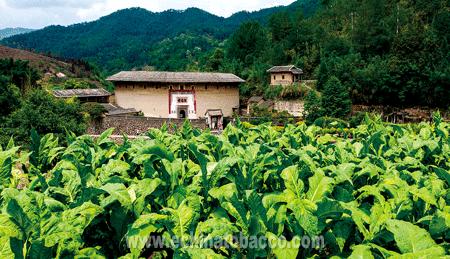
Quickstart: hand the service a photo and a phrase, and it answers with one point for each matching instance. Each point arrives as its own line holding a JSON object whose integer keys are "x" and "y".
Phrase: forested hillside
{"x": 26, "y": 81}
{"x": 123, "y": 39}
{"x": 382, "y": 51}
{"x": 385, "y": 52}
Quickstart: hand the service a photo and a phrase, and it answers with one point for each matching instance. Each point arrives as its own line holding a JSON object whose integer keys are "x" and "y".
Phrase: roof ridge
{"x": 176, "y": 77}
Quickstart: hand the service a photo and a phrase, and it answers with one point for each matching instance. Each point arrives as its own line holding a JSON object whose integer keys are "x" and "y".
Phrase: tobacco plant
{"x": 381, "y": 191}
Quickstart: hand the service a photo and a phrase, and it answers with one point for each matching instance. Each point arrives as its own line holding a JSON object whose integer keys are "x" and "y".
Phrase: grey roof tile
{"x": 174, "y": 77}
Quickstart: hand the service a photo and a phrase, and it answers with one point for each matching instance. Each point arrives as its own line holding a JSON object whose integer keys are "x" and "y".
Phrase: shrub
{"x": 295, "y": 91}
{"x": 329, "y": 122}
{"x": 357, "y": 119}
{"x": 45, "y": 114}
{"x": 77, "y": 84}
{"x": 336, "y": 100}
{"x": 273, "y": 92}
{"x": 94, "y": 110}
{"x": 313, "y": 108}
{"x": 9, "y": 97}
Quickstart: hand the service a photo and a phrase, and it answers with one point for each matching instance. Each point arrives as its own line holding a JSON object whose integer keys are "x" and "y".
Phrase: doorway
{"x": 182, "y": 112}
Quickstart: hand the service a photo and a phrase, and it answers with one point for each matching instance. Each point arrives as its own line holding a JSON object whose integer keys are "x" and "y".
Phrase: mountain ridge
{"x": 9, "y": 32}
{"x": 119, "y": 40}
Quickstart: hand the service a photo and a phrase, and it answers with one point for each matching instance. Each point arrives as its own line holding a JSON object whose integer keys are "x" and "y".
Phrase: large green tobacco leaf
{"x": 139, "y": 232}
{"x": 361, "y": 252}
{"x": 22, "y": 214}
{"x": 413, "y": 239}
{"x": 282, "y": 248}
{"x": 183, "y": 218}
{"x": 142, "y": 190}
{"x": 113, "y": 167}
{"x": 66, "y": 181}
{"x": 236, "y": 209}
{"x": 8, "y": 228}
{"x": 117, "y": 192}
{"x": 440, "y": 222}
{"x": 224, "y": 192}
{"x": 104, "y": 137}
{"x": 215, "y": 229}
{"x": 443, "y": 174}
{"x": 292, "y": 181}
{"x": 11, "y": 247}
{"x": 201, "y": 253}
{"x": 6, "y": 164}
{"x": 44, "y": 150}
{"x": 72, "y": 227}
{"x": 319, "y": 186}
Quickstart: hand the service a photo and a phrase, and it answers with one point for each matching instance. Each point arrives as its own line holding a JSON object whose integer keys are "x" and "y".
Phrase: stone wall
{"x": 295, "y": 107}
{"x": 136, "y": 125}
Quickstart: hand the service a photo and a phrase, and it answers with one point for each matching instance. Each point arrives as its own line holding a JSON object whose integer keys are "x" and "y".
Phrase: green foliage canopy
{"x": 336, "y": 101}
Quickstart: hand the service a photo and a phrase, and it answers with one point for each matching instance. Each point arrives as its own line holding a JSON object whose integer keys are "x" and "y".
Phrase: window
{"x": 274, "y": 77}
{"x": 282, "y": 76}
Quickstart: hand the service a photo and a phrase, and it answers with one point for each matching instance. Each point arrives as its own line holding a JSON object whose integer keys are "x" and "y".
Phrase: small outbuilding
{"x": 259, "y": 101}
{"x": 254, "y": 101}
{"x": 285, "y": 75}
{"x": 214, "y": 119}
{"x": 98, "y": 95}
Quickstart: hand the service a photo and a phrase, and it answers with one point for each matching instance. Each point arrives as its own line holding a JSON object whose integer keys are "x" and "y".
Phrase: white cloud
{"x": 40, "y": 13}
{"x": 51, "y": 3}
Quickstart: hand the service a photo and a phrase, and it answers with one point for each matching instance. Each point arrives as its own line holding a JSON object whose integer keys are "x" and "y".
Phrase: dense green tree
{"x": 216, "y": 60}
{"x": 280, "y": 26}
{"x": 180, "y": 52}
{"x": 248, "y": 43}
{"x": 335, "y": 101}
{"x": 20, "y": 73}
{"x": 9, "y": 97}
{"x": 313, "y": 107}
{"x": 373, "y": 32}
{"x": 42, "y": 112}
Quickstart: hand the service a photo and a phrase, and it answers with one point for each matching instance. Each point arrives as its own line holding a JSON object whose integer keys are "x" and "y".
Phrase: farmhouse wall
{"x": 277, "y": 78}
{"x": 214, "y": 97}
{"x": 153, "y": 100}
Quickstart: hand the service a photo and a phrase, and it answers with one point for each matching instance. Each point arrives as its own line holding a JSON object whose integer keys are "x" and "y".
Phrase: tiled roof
{"x": 290, "y": 68}
{"x": 117, "y": 110}
{"x": 67, "y": 93}
{"x": 255, "y": 99}
{"x": 216, "y": 112}
{"x": 174, "y": 77}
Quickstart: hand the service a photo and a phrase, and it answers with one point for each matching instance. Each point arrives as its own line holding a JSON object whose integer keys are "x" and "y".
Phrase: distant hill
{"x": 50, "y": 68}
{"x": 42, "y": 63}
{"x": 8, "y": 32}
{"x": 123, "y": 39}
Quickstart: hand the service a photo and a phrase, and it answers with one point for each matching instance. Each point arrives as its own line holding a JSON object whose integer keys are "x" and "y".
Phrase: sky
{"x": 40, "y": 13}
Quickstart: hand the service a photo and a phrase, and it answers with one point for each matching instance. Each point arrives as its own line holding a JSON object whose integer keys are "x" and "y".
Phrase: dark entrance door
{"x": 182, "y": 113}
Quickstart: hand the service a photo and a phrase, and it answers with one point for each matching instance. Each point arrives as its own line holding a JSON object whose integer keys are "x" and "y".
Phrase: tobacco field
{"x": 380, "y": 191}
